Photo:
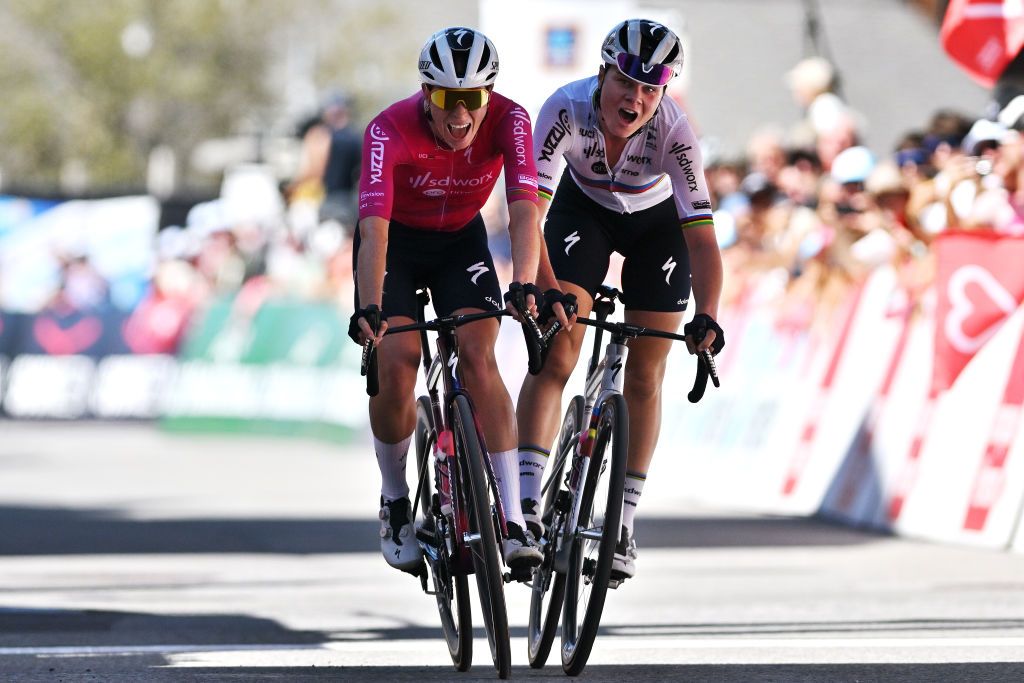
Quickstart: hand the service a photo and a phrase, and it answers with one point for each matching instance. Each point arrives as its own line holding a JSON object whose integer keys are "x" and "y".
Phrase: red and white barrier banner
{"x": 980, "y": 282}
{"x": 885, "y": 411}
{"x": 767, "y": 439}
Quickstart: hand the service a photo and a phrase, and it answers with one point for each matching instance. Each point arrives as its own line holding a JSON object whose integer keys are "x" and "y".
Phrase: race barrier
{"x": 890, "y": 411}
{"x": 274, "y": 366}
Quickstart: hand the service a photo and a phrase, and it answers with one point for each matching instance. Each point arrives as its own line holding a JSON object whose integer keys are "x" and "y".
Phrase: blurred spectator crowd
{"x": 808, "y": 207}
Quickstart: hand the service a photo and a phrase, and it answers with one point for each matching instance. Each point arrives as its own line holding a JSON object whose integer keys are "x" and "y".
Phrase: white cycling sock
{"x": 391, "y": 460}
{"x": 506, "y": 472}
{"x": 532, "y": 461}
{"x": 630, "y": 497}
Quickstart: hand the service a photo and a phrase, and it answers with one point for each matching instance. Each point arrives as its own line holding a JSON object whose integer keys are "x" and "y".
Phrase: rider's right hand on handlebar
{"x": 360, "y": 328}
{"x": 523, "y": 298}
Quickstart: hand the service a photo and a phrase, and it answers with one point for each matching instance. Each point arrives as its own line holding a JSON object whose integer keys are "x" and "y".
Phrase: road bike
{"x": 463, "y": 521}
{"x": 583, "y": 495}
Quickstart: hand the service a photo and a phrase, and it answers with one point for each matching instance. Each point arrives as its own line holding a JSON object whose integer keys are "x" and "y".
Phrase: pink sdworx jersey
{"x": 408, "y": 176}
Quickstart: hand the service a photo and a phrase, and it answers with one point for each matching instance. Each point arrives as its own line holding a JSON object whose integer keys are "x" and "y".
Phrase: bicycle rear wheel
{"x": 451, "y": 588}
{"x": 548, "y": 586}
{"x": 600, "y": 517}
{"x": 484, "y": 546}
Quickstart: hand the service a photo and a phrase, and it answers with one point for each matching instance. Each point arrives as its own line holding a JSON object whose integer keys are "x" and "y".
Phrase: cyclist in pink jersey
{"x": 634, "y": 184}
{"x": 429, "y": 164}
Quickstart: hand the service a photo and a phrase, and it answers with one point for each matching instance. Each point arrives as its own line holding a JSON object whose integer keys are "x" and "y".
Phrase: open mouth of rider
{"x": 449, "y": 99}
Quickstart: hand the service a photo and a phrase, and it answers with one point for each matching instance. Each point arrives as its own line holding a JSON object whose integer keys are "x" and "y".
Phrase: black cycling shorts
{"x": 455, "y": 266}
{"x": 581, "y": 236}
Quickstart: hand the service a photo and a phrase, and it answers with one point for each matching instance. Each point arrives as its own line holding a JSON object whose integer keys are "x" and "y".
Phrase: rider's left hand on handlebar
{"x": 359, "y": 329}
{"x": 703, "y": 333}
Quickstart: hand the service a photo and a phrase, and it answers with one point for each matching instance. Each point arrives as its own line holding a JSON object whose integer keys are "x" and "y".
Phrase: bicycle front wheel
{"x": 597, "y": 532}
{"x": 548, "y": 586}
{"x": 451, "y": 588}
{"x": 483, "y": 541}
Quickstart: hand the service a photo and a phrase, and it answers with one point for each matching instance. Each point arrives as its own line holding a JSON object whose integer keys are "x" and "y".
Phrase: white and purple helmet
{"x": 458, "y": 57}
{"x": 644, "y": 50}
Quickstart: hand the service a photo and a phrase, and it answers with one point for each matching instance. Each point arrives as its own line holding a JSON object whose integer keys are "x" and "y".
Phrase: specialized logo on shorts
{"x": 669, "y": 266}
{"x": 477, "y": 268}
{"x": 571, "y": 241}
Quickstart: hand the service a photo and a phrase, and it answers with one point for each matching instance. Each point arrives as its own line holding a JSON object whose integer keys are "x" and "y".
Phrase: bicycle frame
{"x": 444, "y": 382}
{"x": 604, "y": 376}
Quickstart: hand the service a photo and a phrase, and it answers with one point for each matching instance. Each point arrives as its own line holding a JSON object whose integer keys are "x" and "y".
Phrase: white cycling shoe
{"x": 397, "y": 539}
{"x": 519, "y": 549}
{"x": 624, "y": 560}
{"x": 531, "y": 513}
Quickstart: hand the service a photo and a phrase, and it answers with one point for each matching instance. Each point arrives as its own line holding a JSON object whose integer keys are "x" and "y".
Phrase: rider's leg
{"x": 497, "y": 418}
{"x": 539, "y": 409}
{"x": 392, "y": 420}
{"x": 645, "y": 370}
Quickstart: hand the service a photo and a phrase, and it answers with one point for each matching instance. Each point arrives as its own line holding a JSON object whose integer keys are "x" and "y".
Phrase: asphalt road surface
{"x": 127, "y": 554}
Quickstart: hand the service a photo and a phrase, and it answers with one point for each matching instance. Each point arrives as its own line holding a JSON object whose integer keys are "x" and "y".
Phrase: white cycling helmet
{"x": 458, "y": 57}
{"x": 644, "y": 50}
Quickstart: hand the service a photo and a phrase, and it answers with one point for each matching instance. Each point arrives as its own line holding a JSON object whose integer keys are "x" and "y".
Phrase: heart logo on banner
{"x": 967, "y": 339}
{"x": 61, "y": 341}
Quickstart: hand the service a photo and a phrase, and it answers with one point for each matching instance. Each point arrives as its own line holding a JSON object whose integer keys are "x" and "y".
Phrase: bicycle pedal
{"x": 520, "y": 574}
{"x": 425, "y": 535}
{"x": 616, "y": 579}
{"x": 419, "y": 570}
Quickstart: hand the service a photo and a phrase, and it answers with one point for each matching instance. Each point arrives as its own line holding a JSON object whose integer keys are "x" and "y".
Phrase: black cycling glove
{"x": 514, "y": 290}
{"x": 698, "y": 329}
{"x": 372, "y": 315}
{"x": 552, "y": 297}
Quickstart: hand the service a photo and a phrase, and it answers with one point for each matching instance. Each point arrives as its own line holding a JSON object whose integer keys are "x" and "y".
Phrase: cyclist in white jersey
{"x": 634, "y": 184}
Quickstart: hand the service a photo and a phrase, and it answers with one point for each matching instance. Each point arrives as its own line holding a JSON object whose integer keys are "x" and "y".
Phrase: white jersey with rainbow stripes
{"x": 663, "y": 159}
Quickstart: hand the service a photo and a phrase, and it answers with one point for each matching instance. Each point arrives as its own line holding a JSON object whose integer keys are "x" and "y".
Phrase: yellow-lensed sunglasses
{"x": 449, "y": 98}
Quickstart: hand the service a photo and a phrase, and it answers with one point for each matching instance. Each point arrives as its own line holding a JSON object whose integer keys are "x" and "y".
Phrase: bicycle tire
{"x": 593, "y": 558}
{"x": 451, "y": 587}
{"x": 548, "y": 586}
{"x": 486, "y": 563}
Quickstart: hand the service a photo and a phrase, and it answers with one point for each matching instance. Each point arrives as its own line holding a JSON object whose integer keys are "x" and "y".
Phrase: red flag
{"x": 983, "y": 36}
{"x": 980, "y": 283}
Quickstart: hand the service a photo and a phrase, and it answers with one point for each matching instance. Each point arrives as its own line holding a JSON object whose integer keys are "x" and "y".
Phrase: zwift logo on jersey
{"x": 555, "y": 135}
{"x": 679, "y": 150}
{"x": 520, "y": 129}
{"x": 427, "y": 180}
{"x": 378, "y": 138}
